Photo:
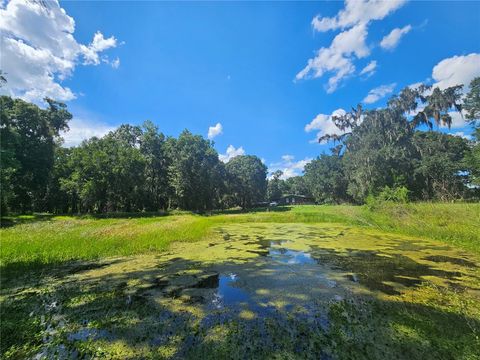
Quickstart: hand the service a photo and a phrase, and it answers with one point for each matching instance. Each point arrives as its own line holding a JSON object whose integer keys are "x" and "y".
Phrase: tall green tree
{"x": 248, "y": 180}
{"x": 440, "y": 170}
{"x": 29, "y": 136}
{"x": 325, "y": 178}
{"x": 193, "y": 172}
{"x": 276, "y": 186}
{"x": 297, "y": 185}
{"x": 157, "y": 162}
{"x": 471, "y": 105}
{"x": 378, "y": 154}
{"x": 109, "y": 173}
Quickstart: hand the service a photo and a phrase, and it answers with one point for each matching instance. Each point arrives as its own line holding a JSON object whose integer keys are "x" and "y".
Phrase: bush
{"x": 396, "y": 194}
{"x": 387, "y": 195}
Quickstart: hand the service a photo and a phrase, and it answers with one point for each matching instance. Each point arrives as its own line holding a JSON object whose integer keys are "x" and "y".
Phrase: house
{"x": 295, "y": 200}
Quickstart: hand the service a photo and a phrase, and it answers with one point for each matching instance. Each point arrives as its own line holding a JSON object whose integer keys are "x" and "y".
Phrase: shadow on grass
{"x": 24, "y": 274}
{"x": 102, "y": 310}
{"x": 9, "y": 221}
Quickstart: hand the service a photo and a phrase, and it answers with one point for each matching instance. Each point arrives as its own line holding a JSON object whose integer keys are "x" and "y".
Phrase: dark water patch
{"x": 375, "y": 270}
{"x": 89, "y": 334}
{"x": 452, "y": 260}
{"x": 259, "y": 252}
{"x": 207, "y": 281}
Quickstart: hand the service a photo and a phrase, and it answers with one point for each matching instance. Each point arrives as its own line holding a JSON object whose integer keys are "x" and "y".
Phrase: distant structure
{"x": 295, "y": 200}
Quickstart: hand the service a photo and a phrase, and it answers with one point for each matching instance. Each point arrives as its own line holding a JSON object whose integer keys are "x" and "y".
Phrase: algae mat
{"x": 262, "y": 290}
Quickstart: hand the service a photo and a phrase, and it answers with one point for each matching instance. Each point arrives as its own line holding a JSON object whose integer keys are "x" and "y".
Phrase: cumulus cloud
{"x": 289, "y": 166}
{"x": 462, "y": 135}
{"x": 390, "y": 41}
{"x": 39, "y": 50}
{"x": 231, "y": 153}
{"x": 338, "y": 59}
{"x": 82, "y": 129}
{"x": 324, "y": 124}
{"x": 355, "y": 12}
{"x": 379, "y": 93}
{"x": 214, "y": 131}
{"x": 456, "y": 70}
{"x": 369, "y": 70}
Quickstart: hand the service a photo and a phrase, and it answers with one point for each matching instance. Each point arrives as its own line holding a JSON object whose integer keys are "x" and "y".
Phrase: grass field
{"x": 402, "y": 275}
{"x": 39, "y": 240}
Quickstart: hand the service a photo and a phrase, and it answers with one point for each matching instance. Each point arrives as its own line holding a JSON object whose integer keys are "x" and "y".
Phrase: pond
{"x": 266, "y": 290}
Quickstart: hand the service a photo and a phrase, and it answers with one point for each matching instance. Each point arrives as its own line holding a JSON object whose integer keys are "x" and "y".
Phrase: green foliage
{"x": 153, "y": 147}
{"x": 297, "y": 185}
{"x": 472, "y": 159}
{"x": 325, "y": 179}
{"x": 29, "y": 136}
{"x": 247, "y": 180}
{"x": 107, "y": 174}
{"x": 276, "y": 186}
{"x": 194, "y": 172}
{"x": 396, "y": 195}
{"x": 384, "y": 148}
{"x": 378, "y": 153}
{"x": 471, "y": 103}
{"x": 440, "y": 170}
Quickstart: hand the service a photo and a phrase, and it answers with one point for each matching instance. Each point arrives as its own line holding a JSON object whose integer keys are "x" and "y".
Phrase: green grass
{"x": 456, "y": 224}
{"x": 44, "y": 240}
{"x": 431, "y": 321}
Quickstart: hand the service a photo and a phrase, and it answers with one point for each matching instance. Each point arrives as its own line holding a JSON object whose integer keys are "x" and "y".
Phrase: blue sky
{"x": 193, "y": 65}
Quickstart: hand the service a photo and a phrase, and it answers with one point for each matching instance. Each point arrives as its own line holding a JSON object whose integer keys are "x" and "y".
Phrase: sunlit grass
{"x": 63, "y": 238}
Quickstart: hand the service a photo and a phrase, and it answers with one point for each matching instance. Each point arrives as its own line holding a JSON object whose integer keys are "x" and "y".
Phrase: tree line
{"x": 393, "y": 153}
{"x": 386, "y": 152}
{"x": 134, "y": 168}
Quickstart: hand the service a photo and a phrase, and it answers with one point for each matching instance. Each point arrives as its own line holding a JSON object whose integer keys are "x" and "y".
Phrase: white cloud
{"x": 288, "y": 157}
{"x": 325, "y": 125}
{"x": 378, "y": 93}
{"x": 391, "y": 40}
{"x": 462, "y": 135}
{"x": 115, "y": 63}
{"x": 356, "y": 12}
{"x": 289, "y": 167}
{"x": 39, "y": 50}
{"x": 369, "y": 70}
{"x": 338, "y": 58}
{"x": 456, "y": 70}
{"x": 349, "y": 45}
{"x": 82, "y": 129}
{"x": 231, "y": 153}
{"x": 214, "y": 131}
